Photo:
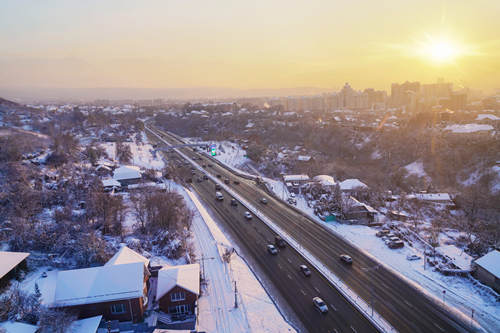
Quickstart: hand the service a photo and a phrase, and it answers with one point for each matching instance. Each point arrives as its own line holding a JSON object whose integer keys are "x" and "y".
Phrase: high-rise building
{"x": 401, "y": 94}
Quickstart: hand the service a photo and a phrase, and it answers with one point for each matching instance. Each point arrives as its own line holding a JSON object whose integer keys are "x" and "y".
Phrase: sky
{"x": 240, "y": 45}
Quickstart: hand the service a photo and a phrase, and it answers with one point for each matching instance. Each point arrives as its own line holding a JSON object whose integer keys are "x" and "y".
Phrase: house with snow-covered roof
{"x": 127, "y": 256}
{"x": 178, "y": 288}
{"x": 127, "y": 175}
{"x": 10, "y": 265}
{"x": 352, "y": 185}
{"x": 487, "y": 269}
{"x": 115, "y": 291}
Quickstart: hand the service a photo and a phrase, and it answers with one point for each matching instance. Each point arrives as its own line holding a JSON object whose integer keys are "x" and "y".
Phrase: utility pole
{"x": 235, "y": 295}
{"x": 203, "y": 267}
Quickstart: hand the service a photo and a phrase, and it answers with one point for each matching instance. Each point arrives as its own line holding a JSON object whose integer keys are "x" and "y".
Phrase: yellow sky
{"x": 246, "y": 44}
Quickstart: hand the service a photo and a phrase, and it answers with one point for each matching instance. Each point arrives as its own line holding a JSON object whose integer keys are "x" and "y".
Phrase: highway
{"x": 403, "y": 306}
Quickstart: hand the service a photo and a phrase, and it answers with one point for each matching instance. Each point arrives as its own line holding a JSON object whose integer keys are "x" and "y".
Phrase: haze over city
{"x": 64, "y": 48}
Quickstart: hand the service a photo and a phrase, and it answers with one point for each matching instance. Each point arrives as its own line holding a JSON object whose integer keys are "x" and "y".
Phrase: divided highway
{"x": 402, "y": 305}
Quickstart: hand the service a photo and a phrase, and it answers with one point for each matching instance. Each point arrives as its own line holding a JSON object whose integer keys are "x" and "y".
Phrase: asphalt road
{"x": 402, "y": 305}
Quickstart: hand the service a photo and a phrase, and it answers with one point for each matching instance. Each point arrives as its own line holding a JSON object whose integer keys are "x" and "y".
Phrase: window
{"x": 118, "y": 308}
{"x": 178, "y": 296}
{"x": 179, "y": 309}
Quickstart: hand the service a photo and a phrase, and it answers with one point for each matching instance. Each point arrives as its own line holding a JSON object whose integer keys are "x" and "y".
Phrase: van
{"x": 219, "y": 196}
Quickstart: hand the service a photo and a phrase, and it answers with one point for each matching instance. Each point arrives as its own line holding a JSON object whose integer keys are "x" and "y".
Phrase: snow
{"x": 47, "y": 286}
{"x": 304, "y": 158}
{"x": 184, "y": 276}
{"x": 127, "y": 172}
{"x": 16, "y": 327}
{"x": 376, "y": 155}
{"x": 461, "y": 259}
{"x": 468, "y": 128}
{"x": 416, "y": 168}
{"x": 324, "y": 180}
{"x": 126, "y": 256}
{"x": 9, "y": 260}
{"x": 87, "y": 325}
{"x": 430, "y": 196}
{"x": 295, "y": 178}
{"x": 108, "y": 182}
{"x": 99, "y": 284}
{"x": 487, "y": 116}
{"x": 143, "y": 154}
{"x": 490, "y": 262}
{"x": 351, "y": 184}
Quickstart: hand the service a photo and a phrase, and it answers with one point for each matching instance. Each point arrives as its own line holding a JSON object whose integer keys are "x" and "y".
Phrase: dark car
{"x": 217, "y": 187}
{"x": 234, "y": 202}
{"x": 219, "y": 175}
{"x": 280, "y": 242}
{"x": 210, "y": 165}
{"x": 226, "y": 181}
{"x": 205, "y": 177}
{"x": 236, "y": 182}
{"x": 305, "y": 270}
{"x": 199, "y": 180}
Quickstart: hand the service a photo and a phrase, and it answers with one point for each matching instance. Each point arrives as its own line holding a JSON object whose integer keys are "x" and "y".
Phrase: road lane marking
{"x": 279, "y": 265}
{"x": 289, "y": 276}
{"x": 333, "y": 307}
{"x": 353, "y": 329}
{"x": 317, "y": 290}
{"x": 303, "y": 292}
{"x": 288, "y": 259}
{"x": 408, "y": 303}
{"x": 440, "y": 328}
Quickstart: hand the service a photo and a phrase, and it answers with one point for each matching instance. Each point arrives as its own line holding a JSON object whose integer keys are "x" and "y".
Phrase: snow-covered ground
{"x": 462, "y": 293}
{"x": 256, "y": 312}
{"x": 416, "y": 168}
{"x": 468, "y": 128}
{"x": 143, "y": 154}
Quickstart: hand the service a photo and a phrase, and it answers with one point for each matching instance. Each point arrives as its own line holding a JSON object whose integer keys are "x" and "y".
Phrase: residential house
{"x": 178, "y": 289}
{"x": 487, "y": 269}
{"x": 11, "y": 263}
{"x": 116, "y": 291}
{"x": 17, "y": 327}
{"x": 352, "y": 185}
{"x": 294, "y": 182}
{"x": 356, "y": 210}
{"x": 127, "y": 175}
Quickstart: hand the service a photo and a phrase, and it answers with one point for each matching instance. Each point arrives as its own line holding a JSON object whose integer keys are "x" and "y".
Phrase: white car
{"x": 272, "y": 249}
{"x": 248, "y": 216}
{"x": 320, "y": 305}
{"x": 412, "y": 257}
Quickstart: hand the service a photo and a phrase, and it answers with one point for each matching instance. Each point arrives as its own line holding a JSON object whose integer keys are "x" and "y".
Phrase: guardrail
{"x": 364, "y": 308}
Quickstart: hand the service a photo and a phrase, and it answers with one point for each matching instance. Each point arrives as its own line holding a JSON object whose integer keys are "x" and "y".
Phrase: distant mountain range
{"x": 28, "y": 94}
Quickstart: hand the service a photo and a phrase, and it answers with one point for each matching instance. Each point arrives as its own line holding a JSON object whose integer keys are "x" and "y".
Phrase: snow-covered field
{"x": 143, "y": 154}
{"x": 468, "y": 128}
{"x": 256, "y": 312}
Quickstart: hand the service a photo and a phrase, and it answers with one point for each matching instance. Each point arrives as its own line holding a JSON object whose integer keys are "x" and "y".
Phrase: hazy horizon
{"x": 66, "y": 49}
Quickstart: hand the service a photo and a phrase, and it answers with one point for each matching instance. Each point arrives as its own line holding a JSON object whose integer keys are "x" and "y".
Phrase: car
{"x": 219, "y": 196}
{"x": 292, "y": 195}
{"x": 189, "y": 180}
{"x": 383, "y": 232}
{"x": 236, "y": 182}
{"x": 264, "y": 201}
{"x": 234, "y": 202}
{"x": 248, "y": 216}
{"x": 412, "y": 257}
{"x": 210, "y": 165}
{"x": 320, "y": 305}
{"x": 226, "y": 181}
{"x": 272, "y": 249}
{"x": 204, "y": 165}
{"x": 217, "y": 187}
{"x": 280, "y": 242}
{"x": 305, "y": 270}
{"x": 199, "y": 180}
{"x": 219, "y": 175}
{"x": 205, "y": 177}
{"x": 44, "y": 274}
{"x": 346, "y": 259}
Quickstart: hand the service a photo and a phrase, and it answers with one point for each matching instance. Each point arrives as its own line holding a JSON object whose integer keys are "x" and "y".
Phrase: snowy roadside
{"x": 256, "y": 312}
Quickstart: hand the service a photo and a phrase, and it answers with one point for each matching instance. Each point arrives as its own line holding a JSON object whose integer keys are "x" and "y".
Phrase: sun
{"x": 440, "y": 50}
